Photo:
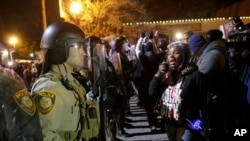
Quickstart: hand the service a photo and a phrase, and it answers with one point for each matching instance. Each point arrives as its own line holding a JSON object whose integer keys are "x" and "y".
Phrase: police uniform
{"x": 60, "y": 109}
{"x": 60, "y": 98}
{"x": 19, "y": 120}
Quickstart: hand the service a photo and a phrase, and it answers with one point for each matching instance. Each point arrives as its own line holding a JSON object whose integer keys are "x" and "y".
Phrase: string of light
{"x": 183, "y": 21}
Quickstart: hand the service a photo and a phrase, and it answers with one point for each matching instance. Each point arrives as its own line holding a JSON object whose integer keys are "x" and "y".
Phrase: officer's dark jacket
{"x": 18, "y": 118}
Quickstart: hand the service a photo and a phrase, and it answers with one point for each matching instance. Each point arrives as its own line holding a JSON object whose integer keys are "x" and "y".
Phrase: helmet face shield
{"x": 57, "y": 39}
{"x": 78, "y": 45}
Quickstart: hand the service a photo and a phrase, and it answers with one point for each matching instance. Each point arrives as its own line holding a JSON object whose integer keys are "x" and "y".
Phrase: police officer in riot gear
{"x": 19, "y": 120}
{"x": 60, "y": 98}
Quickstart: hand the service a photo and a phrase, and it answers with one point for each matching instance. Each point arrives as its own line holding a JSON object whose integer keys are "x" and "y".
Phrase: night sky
{"x": 183, "y": 9}
{"x": 24, "y": 16}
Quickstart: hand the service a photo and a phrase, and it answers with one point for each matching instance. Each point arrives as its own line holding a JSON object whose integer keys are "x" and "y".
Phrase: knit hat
{"x": 196, "y": 41}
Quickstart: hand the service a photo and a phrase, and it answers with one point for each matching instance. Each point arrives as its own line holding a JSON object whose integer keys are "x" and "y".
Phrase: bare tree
{"x": 106, "y": 17}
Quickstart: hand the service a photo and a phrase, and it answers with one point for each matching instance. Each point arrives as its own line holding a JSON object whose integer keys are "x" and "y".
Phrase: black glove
{"x": 143, "y": 33}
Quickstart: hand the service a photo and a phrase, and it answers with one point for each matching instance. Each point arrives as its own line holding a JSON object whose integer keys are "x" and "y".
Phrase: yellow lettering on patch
{"x": 48, "y": 94}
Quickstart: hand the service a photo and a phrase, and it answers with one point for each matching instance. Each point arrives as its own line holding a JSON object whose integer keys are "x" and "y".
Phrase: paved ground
{"x": 139, "y": 130}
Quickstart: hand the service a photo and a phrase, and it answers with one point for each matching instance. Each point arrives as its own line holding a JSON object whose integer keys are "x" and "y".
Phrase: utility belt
{"x": 68, "y": 135}
{"x": 72, "y": 135}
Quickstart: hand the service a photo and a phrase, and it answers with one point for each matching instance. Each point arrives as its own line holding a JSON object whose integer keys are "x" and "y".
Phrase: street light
{"x": 76, "y": 8}
{"x": 178, "y": 36}
{"x": 32, "y": 56}
{"x": 13, "y": 40}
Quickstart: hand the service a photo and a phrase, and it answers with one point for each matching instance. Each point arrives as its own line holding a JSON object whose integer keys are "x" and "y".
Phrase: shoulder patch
{"x": 46, "y": 102}
{"x": 25, "y": 102}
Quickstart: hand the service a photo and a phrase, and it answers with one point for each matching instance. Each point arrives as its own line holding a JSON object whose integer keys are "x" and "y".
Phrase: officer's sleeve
{"x": 50, "y": 109}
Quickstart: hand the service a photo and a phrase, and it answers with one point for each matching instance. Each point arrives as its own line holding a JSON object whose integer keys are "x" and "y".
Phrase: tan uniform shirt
{"x": 58, "y": 107}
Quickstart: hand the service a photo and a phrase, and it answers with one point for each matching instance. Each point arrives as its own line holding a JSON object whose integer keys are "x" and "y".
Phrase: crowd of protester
{"x": 27, "y": 72}
{"x": 192, "y": 78}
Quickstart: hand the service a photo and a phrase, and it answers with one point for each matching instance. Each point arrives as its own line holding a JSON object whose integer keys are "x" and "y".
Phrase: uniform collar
{"x": 65, "y": 71}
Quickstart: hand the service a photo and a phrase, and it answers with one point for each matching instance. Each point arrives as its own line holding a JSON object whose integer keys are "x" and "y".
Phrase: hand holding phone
{"x": 162, "y": 69}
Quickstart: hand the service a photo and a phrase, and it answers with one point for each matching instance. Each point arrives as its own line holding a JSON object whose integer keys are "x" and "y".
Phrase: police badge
{"x": 46, "y": 102}
{"x": 24, "y": 101}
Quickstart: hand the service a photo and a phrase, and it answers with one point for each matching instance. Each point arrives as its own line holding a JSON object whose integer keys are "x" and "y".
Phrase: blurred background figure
{"x": 124, "y": 68}
{"x": 18, "y": 113}
{"x": 186, "y": 35}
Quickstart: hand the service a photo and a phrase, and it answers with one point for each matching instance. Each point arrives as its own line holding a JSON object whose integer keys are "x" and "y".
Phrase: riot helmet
{"x": 57, "y": 39}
